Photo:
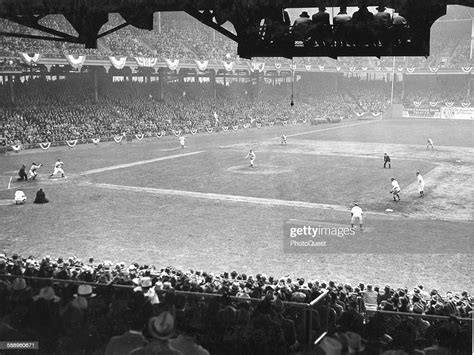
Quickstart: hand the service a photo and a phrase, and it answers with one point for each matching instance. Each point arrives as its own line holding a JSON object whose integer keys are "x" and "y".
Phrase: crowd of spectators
{"x": 88, "y": 302}
{"x": 52, "y": 111}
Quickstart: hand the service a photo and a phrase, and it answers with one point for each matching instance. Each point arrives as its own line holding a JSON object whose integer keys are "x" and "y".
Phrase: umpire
{"x": 386, "y": 160}
{"x": 22, "y": 174}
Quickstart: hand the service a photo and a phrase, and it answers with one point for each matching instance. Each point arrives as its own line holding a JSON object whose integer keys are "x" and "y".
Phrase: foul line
{"x": 328, "y": 129}
{"x": 231, "y": 198}
{"x": 141, "y": 162}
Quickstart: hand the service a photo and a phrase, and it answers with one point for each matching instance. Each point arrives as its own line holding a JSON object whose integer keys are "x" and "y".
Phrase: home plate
{"x": 388, "y": 210}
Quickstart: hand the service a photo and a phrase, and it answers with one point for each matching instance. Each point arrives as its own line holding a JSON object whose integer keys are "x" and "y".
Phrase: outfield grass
{"x": 87, "y": 220}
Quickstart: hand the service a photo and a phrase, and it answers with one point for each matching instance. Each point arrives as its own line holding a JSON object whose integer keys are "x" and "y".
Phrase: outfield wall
{"x": 449, "y": 113}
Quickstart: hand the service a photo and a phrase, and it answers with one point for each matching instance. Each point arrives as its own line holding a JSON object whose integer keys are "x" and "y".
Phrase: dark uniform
{"x": 386, "y": 160}
{"x": 22, "y": 174}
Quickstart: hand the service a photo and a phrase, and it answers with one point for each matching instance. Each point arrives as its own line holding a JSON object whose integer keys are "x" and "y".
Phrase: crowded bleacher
{"x": 71, "y": 305}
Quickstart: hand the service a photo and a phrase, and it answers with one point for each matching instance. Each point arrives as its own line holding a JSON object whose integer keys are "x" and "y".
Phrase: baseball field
{"x": 203, "y": 207}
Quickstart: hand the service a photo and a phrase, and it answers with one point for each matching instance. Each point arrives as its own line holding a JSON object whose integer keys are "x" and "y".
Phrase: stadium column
{"x": 96, "y": 94}
{"x": 212, "y": 78}
{"x": 161, "y": 80}
{"x": 12, "y": 88}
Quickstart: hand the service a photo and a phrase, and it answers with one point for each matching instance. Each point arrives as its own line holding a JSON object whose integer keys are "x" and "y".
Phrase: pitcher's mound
{"x": 259, "y": 169}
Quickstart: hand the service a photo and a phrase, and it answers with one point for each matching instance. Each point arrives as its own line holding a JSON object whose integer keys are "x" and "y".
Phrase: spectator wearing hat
{"x": 40, "y": 197}
{"x": 369, "y": 297}
{"x": 342, "y": 27}
{"x": 362, "y": 21}
{"x": 320, "y": 28}
{"x": 382, "y": 23}
{"x": 145, "y": 286}
{"x": 130, "y": 340}
{"x": 186, "y": 342}
{"x": 160, "y": 330}
{"x": 301, "y": 26}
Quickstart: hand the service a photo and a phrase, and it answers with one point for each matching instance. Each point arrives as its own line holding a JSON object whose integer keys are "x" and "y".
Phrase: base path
{"x": 232, "y": 198}
{"x": 141, "y": 162}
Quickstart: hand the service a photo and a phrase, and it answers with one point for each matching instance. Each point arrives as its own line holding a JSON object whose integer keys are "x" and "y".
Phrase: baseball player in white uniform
{"x": 33, "y": 174}
{"x": 20, "y": 197}
{"x": 58, "y": 169}
{"x": 429, "y": 143}
{"x": 356, "y": 215}
{"x": 283, "y": 139}
{"x": 395, "y": 191}
{"x": 421, "y": 184}
{"x": 182, "y": 139}
{"x": 251, "y": 156}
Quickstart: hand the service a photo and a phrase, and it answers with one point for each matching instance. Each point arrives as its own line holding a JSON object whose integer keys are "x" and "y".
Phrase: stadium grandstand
{"x": 185, "y": 79}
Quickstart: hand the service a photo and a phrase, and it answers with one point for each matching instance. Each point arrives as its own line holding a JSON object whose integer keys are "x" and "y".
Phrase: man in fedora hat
{"x": 160, "y": 330}
{"x": 342, "y": 27}
{"x": 129, "y": 341}
{"x": 382, "y": 23}
{"x": 301, "y": 26}
{"x": 320, "y": 29}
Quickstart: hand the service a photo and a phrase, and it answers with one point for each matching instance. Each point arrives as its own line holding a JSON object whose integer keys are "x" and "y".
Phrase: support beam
{"x": 200, "y": 17}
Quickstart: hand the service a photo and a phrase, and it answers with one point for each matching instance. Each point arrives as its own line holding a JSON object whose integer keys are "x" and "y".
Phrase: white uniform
{"x": 356, "y": 212}
{"x": 33, "y": 172}
{"x": 251, "y": 156}
{"x": 421, "y": 183}
{"x": 58, "y": 168}
{"x": 430, "y": 143}
{"x": 181, "y": 141}
{"x": 395, "y": 186}
{"x": 283, "y": 139}
{"x": 20, "y": 197}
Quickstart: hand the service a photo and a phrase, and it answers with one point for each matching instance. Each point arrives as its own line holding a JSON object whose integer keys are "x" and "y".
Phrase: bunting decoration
{"x": 400, "y": 69}
{"x": 295, "y": 122}
{"x": 284, "y": 123}
{"x": 278, "y": 66}
{"x": 118, "y": 139}
{"x": 228, "y": 66}
{"x": 466, "y": 69}
{"x": 194, "y": 131}
{"x": 352, "y": 69}
{"x": 434, "y": 104}
{"x": 449, "y": 104}
{"x": 176, "y": 133}
{"x": 359, "y": 114}
{"x": 411, "y": 70}
{"x": 246, "y": 125}
{"x": 147, "y": 62}
{"x": 202, "y": 66}
{"x": 30, "y": 59}
{"x": 465, "y": 104}
{"x": 258, "y": 125}
{"x": 76, "y": 61}
{"x": 172, "y": 64}
{"x": 305, "y": 120}
{"x": 209, "y": 130}
{"x": 376, "y": 114}
{"x": 321, "y": 67}
{"x": 338, "y": 68}
{"x": 45, "y": 146}
{"x": 364, "y": 68}
{"x": 225, "y": 128}
{"x": 434, "y": 70}
{"x": 417, "y": 103}
{"x": 96, "y": 140}
{"x": 308, "y": 67}
{"x": 16, "y": 147}
{"x": 293, "y": 66}
{"x": 118, "y": 62}
{"x": 271, "y": 124}
{"x": 378, "y": 68}
{"x": 235, "y": 128}
{"x": 139, "y": 137}
{"x": 159, "y": 134}
{"x": 72, "y": 143}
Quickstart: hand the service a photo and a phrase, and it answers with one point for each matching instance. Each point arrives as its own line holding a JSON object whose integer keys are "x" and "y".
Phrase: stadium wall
{"x": 449, "y": 113}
